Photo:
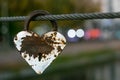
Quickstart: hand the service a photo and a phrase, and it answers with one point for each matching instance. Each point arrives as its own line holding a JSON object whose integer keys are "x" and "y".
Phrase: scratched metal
{"x": 39, "y": 51}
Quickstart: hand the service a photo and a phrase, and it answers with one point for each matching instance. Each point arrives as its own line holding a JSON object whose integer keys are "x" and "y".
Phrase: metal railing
{"x": 75, "y": 16}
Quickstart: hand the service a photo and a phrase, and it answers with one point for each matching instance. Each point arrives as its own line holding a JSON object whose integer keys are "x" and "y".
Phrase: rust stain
{"x": 59, "y": 49}
{"x": 44, "y": 56}
{"x": 51, "y": 39}
{"x": 39, "y": 54}
{"x": 24, "y": 55}
{"x": 63, "y": 42}
{"x": 36, "y": 46}
{"x": 55, "y": 55}
{"x": 40, "y": 46}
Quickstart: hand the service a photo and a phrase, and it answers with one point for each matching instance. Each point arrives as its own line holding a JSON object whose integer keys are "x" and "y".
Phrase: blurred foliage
{"x": 67, "y": 67}
{"x": 23, "y": 7}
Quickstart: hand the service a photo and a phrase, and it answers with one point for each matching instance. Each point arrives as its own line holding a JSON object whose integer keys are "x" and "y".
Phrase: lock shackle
{"x": 36, "y": 13}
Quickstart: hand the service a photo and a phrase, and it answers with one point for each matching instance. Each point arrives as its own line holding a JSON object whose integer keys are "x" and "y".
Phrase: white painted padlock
{"x": 39, "y": 51}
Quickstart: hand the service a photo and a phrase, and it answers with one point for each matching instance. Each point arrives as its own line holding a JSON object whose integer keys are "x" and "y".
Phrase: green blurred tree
{"x": 72, "y": 6}
{"x": 23, "y": 7}
{"x": 86, "y": 6}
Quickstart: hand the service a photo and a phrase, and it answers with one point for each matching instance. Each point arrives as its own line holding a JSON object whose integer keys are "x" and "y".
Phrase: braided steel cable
{"x": 75, "y": 16}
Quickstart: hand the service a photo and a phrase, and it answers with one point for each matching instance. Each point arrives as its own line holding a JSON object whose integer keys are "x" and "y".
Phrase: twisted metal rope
{"x": 75, "y": 16}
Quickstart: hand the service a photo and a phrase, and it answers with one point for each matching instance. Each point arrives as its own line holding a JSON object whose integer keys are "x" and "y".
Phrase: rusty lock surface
{"x": 39, "y": 51}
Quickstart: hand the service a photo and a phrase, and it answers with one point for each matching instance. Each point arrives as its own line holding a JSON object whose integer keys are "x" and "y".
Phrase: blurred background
{"x": 93, "y": 46}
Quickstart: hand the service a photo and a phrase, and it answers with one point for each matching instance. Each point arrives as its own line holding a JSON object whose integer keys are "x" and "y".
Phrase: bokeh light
{"x": 80, "y": 33}
{"x": 71, "y": 33}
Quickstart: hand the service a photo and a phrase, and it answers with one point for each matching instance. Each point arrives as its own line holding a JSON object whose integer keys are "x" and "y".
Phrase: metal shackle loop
{"x": 36, "y": 13}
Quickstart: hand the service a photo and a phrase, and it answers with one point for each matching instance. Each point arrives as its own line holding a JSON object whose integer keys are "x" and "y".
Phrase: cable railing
{"x": 74, "y": 16}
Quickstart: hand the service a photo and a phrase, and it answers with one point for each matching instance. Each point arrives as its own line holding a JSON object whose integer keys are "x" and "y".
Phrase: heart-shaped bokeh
{"x": 39, "y": 51}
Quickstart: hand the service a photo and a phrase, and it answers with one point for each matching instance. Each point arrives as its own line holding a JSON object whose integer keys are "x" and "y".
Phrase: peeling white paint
{"x": 40, "y": 66}
{"x": 18, "y": 39}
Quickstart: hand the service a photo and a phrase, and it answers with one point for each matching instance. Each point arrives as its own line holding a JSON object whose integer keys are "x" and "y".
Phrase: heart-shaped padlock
{"x": 39, "y": 51}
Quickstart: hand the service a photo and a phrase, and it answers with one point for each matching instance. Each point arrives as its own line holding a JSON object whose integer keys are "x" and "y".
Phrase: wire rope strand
{"x": 75, "y": 16}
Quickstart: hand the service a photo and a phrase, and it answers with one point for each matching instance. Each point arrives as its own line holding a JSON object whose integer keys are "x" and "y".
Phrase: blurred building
{"x": 110, "y": 5}
{"x": 110, "y": 28}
